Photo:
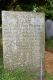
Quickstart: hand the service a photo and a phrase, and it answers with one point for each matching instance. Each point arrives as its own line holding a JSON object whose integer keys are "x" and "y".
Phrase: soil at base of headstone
{"x": 49, "y": 62}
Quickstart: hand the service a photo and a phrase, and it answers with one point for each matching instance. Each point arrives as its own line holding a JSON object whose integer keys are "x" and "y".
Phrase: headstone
{"x": 23, "y": 40}
{"x": 49, "y": 28}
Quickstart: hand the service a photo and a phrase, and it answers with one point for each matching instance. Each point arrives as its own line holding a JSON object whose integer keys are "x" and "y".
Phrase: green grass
{"x": 19, "y": 74}
{"x": 48, "y": 76}
{"x": 49, "y": 44}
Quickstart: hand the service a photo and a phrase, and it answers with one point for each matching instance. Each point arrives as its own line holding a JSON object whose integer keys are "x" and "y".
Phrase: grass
{"x": 17, "y": 74}
{"x": 49, "y": 44}
{"x": 48, "y": 76}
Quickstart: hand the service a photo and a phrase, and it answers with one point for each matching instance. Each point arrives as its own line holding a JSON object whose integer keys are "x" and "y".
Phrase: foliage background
{"x": 28, "y": 5}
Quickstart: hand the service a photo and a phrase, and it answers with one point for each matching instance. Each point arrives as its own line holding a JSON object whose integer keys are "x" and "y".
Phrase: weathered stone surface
{"x": 49, "y": 28}
{"x": 23, "y": 40}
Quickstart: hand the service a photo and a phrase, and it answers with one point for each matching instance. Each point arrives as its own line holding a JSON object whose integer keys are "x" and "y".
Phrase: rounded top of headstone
{"x": 49, "y": 22}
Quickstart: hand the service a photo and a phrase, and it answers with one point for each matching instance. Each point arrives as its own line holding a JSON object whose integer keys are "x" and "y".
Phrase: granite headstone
{"x": 23, "y": 40}
{"x": 49, "y": 28}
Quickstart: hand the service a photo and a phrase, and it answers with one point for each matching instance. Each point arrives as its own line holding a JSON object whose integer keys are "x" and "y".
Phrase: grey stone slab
{"x": 49, "y": 28}
{"x": 23, "y": 40}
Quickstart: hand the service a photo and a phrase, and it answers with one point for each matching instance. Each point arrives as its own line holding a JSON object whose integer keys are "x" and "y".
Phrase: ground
{"x": 49, "y": 62}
